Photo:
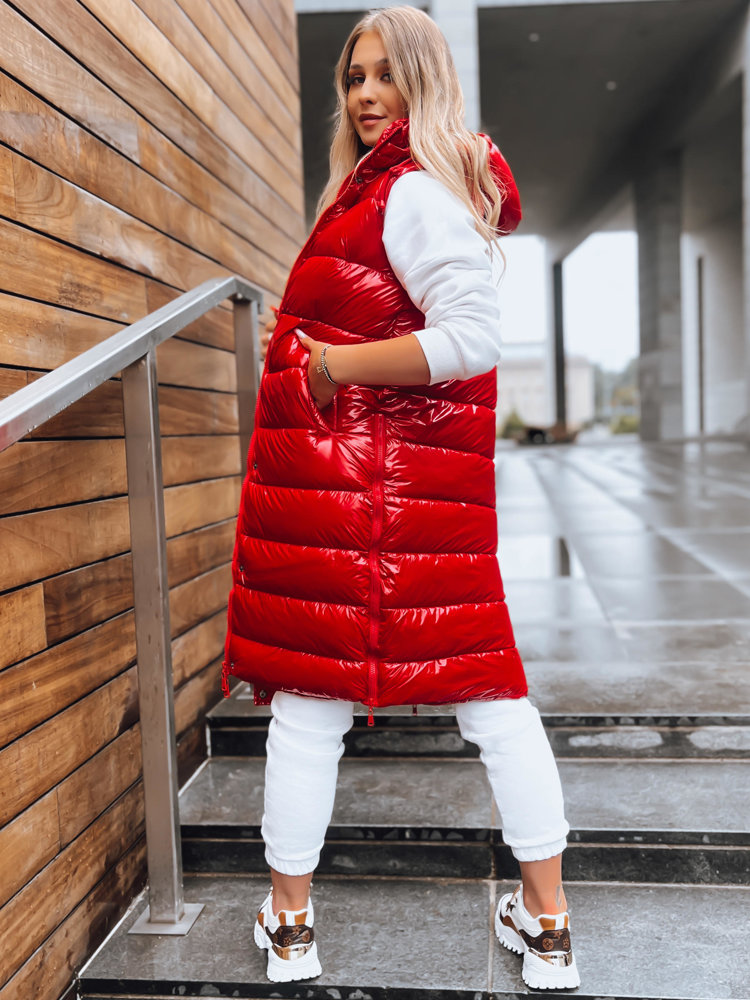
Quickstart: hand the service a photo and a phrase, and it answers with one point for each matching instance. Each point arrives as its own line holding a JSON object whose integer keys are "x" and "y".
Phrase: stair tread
{"x": 601, "y": 795}
{"x": 413, "y": 938}
{"x": 580, "y": 691}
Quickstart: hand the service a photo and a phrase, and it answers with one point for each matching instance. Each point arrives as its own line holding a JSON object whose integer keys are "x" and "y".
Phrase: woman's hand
{"x": 322, "y": 390}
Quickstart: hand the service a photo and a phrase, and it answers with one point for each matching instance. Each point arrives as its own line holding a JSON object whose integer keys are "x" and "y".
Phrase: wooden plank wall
{"x": 145, "y": 145}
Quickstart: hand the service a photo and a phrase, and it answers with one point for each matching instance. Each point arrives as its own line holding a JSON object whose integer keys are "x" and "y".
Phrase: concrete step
{"x": 411, "y": 939}
{"x": 238, "y": 728}
{"x": 631, "y": 820}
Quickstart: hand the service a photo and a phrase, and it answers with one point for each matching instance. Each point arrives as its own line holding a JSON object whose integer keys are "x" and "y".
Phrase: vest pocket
{"x": 307, "y": 395}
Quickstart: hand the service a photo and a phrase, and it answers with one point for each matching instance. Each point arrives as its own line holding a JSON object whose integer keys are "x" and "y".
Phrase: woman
{"x": 365, "y": 567}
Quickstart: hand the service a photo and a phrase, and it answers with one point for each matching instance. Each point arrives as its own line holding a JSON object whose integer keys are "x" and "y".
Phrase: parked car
{"x": 556, "y": 434}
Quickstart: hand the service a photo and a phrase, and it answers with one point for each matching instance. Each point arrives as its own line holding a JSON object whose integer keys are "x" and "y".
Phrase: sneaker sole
{"x": 536, "y": 973}
{"x": 280, "y": 970}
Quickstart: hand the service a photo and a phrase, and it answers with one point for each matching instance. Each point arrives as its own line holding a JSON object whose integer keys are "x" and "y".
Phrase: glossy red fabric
{"x": 365, "y": 564}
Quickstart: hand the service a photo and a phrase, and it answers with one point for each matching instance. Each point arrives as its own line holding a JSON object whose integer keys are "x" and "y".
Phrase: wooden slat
{"x": 39, "y": 760}
{"x": 199, "y": 551}
{"x": 37, "y": 335}
{"x": 97, "y": 415}
{"x": 50, "y": 205}
{"x": 195, "y": 366}
{"x": 258, "y": 16}
{"x": 50, "y": 970}
{"x": 85, "y": 470}
{"x": 201, "y": 211}
{"x": 91, "y": 788}
{"x": 48, "y": 542}
{"x": 208, "y": 66}
{"x": 27, "y": 919}
{"x": 195, "y": 600}
{"x": 53, "y": 206}
{"x": 282, "y": 13}
{"x": 42, "y": 473}
{"x": 84, "y": 597}
{"x": 39, "y": 63}
{"x": 84, "y": 37}
{"x": 192, "y": 750}
{"x": 228, "y": 39}
{"x": 197, "y": 647}
{"x": 41, "y": 268}
{"x": 11, "y": 381}
{"x": 246, "y": 32}
{"x": 23, "y": 623}
{"x": 35, "y": 690}
{"x": 181, "y": 411}
{"x": 191, "y": 411}
{"x": 189, "y": 459}
{"x": 42, "y": 543}
{"x": 199, "y": 504}
{"x": 7, "y": 183}
{"x": 27, "y": 844}
{"x": 141, "y": 36}
{"x": 41, "y": 336}
{"x": 191, "y": 699}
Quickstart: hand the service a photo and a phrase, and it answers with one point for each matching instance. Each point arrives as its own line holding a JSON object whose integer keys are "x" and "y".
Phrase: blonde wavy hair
{"x": 423, "y": 71}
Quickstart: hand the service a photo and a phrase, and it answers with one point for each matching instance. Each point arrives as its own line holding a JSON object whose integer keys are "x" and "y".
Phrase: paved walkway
{"x": 627, "y": 574}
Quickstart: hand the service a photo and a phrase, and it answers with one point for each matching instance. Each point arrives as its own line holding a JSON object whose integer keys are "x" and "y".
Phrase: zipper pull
{"x": 370, "y": 718}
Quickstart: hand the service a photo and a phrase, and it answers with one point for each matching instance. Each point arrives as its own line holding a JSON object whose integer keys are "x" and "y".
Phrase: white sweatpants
{"x": 305, "y": 745}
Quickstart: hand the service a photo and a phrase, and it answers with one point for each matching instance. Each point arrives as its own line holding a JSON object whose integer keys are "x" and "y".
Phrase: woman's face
{"x": 372, "y": 99}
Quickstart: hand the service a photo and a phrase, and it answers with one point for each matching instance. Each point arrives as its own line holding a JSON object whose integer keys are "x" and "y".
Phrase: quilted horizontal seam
{"x": 432, "y": 500}
{"x": 393, "y": 435}
{"x": 452, "y": 656}
{"x": 317, "y": 489}
{"x": 383, "y": 552}
{"x": 442, "y": 447}
{"x": 402, "y": 496}
{"x": 385, "y": 607}
{"x": 302, "y": 652}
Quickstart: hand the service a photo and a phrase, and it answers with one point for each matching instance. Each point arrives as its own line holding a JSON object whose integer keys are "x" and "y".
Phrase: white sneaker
{"x": 544, "y": 942}
{"x": 289, "y": 937}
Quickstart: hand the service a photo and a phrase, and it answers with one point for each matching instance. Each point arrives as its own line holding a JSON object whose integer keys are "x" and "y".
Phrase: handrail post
{"x": 167, "y": 912}
{"x": 247, "y": 356}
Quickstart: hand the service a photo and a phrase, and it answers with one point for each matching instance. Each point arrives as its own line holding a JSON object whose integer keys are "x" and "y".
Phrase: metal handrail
{"x": 132, "y": 351}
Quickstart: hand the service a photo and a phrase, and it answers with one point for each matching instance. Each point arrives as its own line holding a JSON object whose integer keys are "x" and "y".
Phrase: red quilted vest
{"x": 365, "y": 564}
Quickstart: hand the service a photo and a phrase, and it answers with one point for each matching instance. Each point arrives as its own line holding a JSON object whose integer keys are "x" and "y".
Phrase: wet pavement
{"x": 630, "y": 565}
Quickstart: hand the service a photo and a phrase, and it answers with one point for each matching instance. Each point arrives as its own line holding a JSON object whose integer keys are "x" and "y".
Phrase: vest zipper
{"x": 377, "y": 532}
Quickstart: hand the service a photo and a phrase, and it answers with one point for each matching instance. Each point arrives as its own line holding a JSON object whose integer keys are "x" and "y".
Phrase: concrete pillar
{"x": 561, "y": 402}
{"x": 554, "y": 368}
{"x": 658, "y": 206}
{"x": 457, "y": 19}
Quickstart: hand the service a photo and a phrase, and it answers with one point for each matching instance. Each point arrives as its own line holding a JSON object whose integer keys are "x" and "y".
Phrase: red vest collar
{"x": 391, "y": 148}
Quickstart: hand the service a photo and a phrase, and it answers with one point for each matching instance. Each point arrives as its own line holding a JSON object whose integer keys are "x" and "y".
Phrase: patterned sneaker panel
{"x": 293, "y": 936}
{"x": 546, "y": 936}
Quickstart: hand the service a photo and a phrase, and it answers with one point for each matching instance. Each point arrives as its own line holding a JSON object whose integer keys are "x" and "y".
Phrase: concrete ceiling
{"x": 563, "y": 88}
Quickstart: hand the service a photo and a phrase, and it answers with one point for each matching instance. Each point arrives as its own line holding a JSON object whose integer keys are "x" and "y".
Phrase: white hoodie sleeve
{"x": 444, "y": 265}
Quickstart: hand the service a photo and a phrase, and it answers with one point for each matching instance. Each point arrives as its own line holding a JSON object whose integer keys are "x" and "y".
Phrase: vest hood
{"x": 393, "y": 147}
